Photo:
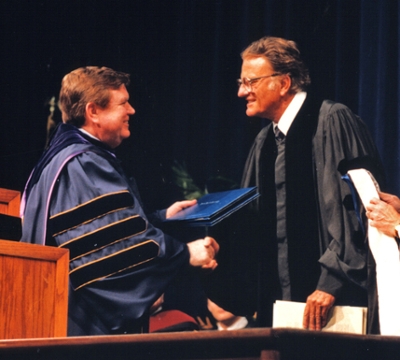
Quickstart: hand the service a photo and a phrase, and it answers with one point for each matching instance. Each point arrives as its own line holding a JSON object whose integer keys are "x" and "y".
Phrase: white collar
{"x": 88, "y": 134}
{"x": 290, "y": 113}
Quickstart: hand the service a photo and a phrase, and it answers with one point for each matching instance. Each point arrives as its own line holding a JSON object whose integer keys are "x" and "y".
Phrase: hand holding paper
{"x": 390, "y": 199}
{"x": 383, "y": 216}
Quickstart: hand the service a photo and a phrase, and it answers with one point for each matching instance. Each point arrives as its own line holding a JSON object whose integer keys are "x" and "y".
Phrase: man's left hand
{"x": 178, "y": 206}
{"x": 317, "y": 309}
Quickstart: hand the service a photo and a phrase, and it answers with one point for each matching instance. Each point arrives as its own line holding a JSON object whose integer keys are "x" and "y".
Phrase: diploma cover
{"x": 214, "y": 207}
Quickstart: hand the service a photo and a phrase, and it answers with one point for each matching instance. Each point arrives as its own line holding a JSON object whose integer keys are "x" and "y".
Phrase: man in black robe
{"x": 304, "y": 240}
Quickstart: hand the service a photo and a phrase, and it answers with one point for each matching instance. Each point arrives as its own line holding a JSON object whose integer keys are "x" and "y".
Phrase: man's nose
{"x": 131, "y": 110}
{"x": 242, "y": 91}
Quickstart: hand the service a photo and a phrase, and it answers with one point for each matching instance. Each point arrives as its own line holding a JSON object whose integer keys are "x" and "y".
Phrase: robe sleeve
{"x": 119, "y": 262}
{"x": 341, "y": 136}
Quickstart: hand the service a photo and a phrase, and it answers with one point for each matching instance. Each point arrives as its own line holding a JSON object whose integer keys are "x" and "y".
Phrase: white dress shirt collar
{"x": 290, "y": 113}
{"x": 88, "y": 134}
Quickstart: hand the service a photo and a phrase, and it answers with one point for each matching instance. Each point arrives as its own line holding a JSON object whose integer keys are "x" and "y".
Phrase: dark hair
{"x": 284, "y": 57}
{"x": 84, "y": 85}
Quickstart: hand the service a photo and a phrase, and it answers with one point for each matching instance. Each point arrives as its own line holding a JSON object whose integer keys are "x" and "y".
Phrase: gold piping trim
{"x": 90, "y": 220}
{"x": 104, "y": 227}
{"x": 88, "y": 202}
{"x": 100, "y": 248}
{"x": 109, "y": 256}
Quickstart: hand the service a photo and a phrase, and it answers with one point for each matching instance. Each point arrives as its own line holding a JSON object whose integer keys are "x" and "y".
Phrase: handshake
{"x": 203, "y": 251}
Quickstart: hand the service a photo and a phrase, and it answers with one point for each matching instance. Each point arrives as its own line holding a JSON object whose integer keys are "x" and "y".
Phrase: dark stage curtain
{"x": 184, "y": 59}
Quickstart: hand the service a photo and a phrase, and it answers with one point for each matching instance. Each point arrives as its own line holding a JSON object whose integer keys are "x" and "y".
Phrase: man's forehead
{"x": 119, "y": 94}
{"x": 255, "y": 64}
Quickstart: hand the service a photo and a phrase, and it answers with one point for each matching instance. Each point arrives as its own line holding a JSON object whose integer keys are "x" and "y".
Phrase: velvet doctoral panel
{"x": 119, "y": 262}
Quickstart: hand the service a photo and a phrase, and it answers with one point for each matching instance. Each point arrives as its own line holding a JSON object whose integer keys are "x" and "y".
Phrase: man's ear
{"x": 286, "y": 84}
{"x": 91, "y": 112}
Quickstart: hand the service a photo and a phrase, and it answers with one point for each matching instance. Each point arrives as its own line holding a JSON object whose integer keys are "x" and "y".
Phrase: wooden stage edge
{"x": 261, "y": 343}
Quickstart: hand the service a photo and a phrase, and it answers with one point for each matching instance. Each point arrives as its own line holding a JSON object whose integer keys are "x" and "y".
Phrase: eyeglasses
{"x": 247, "y": 83}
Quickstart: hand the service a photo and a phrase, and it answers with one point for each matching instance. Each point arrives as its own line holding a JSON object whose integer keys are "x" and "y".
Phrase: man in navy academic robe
{"x": 79, "y": 198}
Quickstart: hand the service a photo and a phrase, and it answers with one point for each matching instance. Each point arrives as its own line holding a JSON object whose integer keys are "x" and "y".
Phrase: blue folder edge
{"x": 214, "y": 207}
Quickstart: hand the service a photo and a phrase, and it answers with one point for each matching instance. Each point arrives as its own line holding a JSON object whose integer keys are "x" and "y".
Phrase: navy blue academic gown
{"x": 79, "y": 198}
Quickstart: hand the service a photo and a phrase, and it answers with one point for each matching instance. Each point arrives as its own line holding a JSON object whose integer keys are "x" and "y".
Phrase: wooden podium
{"x": 10, "y": 222}
{"x": 9, "y": 202}
{"x": 33, "y": 290}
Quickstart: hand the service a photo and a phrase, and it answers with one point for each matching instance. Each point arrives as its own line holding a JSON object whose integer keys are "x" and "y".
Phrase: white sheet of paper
{"x": 387, "y": 258}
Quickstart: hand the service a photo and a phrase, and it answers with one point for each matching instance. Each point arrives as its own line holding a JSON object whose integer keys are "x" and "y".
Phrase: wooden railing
{"x": 264, "y": 344}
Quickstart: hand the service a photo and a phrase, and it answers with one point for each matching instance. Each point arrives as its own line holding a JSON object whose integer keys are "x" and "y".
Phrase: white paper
{"x": 387, "y": 258}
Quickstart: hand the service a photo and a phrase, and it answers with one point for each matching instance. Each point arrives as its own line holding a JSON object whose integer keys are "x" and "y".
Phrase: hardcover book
{"x": 214, "y": 207}
{"x": 344, "y": 319}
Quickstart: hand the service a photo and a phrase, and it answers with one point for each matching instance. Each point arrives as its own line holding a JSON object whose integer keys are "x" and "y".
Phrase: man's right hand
{"x": 391, "y": 200}
{"x": 317, "y": 309}
{"x": 202, "y": 253}
{"x": 383, "y": 216}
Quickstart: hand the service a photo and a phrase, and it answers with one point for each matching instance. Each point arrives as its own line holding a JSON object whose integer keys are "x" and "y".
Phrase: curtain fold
{"x": 184, "y": 57}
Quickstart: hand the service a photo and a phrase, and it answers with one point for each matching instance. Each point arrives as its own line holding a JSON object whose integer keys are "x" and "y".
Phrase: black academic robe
{"x": 322, "y": 225}
{"x": 327, "y": 247}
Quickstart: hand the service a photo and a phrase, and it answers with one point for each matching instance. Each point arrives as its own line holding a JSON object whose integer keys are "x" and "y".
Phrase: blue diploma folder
{"x": 212, "y": 208}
